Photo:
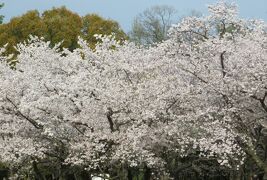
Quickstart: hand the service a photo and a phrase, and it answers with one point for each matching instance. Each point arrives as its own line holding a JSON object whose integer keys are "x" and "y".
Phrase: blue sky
{"x": 124, "y": 11}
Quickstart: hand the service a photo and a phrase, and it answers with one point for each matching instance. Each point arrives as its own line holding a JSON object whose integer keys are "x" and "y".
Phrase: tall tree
{"x": 19, "y": 29}
{"x": 58, "y": 25}
{"x": 152, "y": 25}
{"x": 62, "y": 25}
{"x": 94, "y": 24}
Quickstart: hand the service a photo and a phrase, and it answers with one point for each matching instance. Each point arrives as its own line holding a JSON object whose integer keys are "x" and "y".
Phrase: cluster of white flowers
{"x": 200, "y": 90}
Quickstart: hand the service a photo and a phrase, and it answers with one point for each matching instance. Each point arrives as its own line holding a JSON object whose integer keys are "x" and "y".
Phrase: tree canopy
{"x": 19, "y": 29}
{"x": 62, "y": 25}
{"x": 57, "y": 25}
{"x": 94, "y": 24}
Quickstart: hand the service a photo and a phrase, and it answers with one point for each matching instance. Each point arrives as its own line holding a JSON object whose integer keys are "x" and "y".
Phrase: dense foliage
{"x": 57, "y": 25}
{"x": 193, "y": 99}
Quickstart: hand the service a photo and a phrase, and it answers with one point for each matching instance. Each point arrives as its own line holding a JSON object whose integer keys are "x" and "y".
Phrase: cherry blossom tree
{"x": 122, "y": 107}
{"x": 226, "y": 58}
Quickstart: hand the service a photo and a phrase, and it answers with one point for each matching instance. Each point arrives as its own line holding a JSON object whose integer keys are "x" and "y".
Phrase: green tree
{"x": 57, "y": 25}
{"x": 19, "y": 29}
{"x": 94, "y": 24}
{"x": 62, "y": 25}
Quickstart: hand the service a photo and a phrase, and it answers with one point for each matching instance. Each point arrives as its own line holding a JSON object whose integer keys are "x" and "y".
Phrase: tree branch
{"x": 110, "y": 121}
{"x": 261, "y": 100}
{"x": 194, "y": 74}
{"x": 222, "y": 63}
{"x": 33, "y": 122}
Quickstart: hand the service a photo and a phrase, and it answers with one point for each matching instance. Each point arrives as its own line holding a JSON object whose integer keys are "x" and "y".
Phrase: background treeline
{"x": 57, "y": 25}
{"x": 62, "y": 25}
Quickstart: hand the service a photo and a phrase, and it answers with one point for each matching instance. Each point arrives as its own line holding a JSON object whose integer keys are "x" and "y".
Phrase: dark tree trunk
{"x": 3, "y": 174}
{"x": 38, "y": 174}
{"x": 147, "y": 173}
{"x": 129, "y": 174}
{"x": 86, "y": 175}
